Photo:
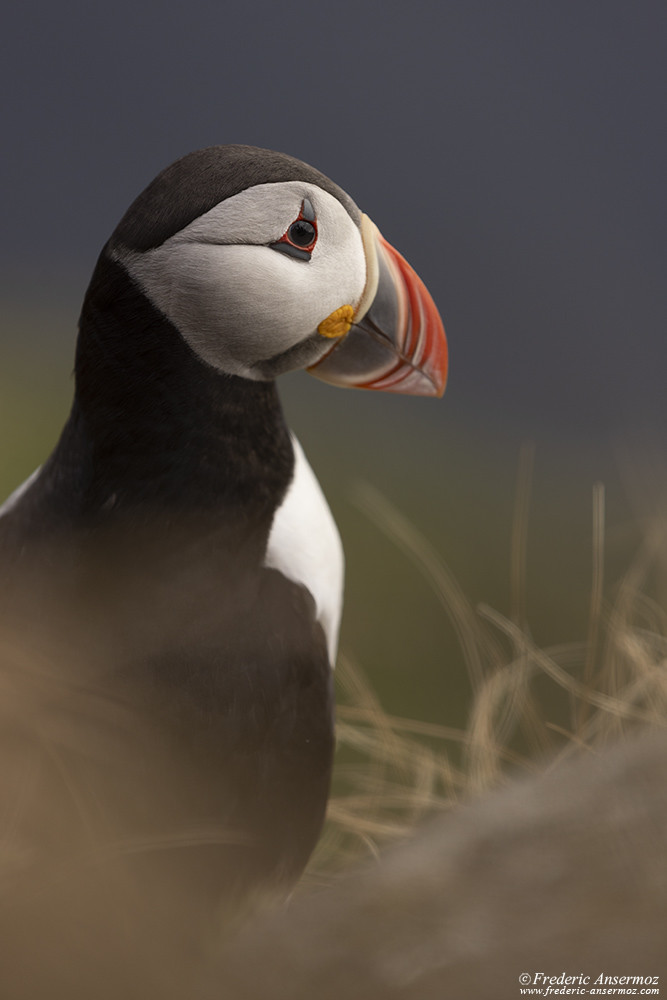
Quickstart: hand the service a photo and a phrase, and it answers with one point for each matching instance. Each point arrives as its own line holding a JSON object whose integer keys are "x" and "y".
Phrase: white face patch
{"x": 304, "y": 545}
{"x": 236, "y": 301}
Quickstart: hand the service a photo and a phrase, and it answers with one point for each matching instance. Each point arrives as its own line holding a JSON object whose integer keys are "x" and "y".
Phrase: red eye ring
{"x": 300, "y": 237}
{"x": 302, "y": 234}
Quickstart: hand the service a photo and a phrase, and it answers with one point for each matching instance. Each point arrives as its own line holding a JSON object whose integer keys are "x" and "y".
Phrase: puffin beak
{"x": 394, "y": 340}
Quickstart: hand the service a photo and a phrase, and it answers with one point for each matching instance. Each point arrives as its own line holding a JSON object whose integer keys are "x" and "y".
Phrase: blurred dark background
{"x": 515, "y": 153}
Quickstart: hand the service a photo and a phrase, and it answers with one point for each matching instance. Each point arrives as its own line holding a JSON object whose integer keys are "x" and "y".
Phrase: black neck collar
{"x": 153, "y": 425}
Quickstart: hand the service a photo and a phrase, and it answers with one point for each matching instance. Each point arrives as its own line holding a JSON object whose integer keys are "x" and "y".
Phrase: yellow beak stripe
{"x": 338, "y": 323}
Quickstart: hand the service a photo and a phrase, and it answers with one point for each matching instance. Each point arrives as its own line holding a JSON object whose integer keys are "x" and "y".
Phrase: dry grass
{"x": 65, "y": 860}
{"x": 530, "y": 707}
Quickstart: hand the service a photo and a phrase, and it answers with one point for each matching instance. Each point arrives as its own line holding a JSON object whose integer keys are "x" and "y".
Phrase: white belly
{"x": 304, "y": 545}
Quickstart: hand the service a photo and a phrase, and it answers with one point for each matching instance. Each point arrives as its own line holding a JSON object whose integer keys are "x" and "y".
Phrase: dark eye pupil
{"x": 301, "y": 233}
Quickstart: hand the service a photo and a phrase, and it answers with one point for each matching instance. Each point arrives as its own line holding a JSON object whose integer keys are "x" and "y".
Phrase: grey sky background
{"x": 515, "y": 152}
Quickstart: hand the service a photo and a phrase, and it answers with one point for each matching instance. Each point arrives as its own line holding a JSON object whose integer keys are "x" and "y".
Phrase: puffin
{"x": 176, "y": 543}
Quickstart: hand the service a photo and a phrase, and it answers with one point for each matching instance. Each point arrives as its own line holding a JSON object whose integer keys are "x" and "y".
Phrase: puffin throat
{"x": 163, "y": 426}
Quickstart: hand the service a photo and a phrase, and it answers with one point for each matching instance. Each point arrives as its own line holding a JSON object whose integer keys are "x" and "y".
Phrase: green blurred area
{"x": 451, "y": 472}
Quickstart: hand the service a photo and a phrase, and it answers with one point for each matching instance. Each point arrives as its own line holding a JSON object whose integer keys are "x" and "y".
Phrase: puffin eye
{"x": 302, "y": 233}
{"x": 300, "y": 238}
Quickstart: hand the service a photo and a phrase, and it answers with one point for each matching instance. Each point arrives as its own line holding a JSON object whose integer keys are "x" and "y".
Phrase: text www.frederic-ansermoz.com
{"x": 543, "y": 985}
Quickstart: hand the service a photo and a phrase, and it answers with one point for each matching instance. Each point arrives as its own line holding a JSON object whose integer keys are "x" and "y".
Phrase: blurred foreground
{"x": 562, "y": 869}
{"x": 511, "y": 779}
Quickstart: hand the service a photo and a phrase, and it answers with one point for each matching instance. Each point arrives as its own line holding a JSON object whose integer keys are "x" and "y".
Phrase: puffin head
{"x": 264, "y": 266}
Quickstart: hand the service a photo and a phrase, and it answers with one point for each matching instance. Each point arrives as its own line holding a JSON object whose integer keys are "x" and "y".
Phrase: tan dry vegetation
{"x": 530, "y": 707}
{"x": 78, "y": 917}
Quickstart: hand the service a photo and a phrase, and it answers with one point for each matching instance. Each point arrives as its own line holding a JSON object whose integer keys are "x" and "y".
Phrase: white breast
{"x": 304, "y": 545}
